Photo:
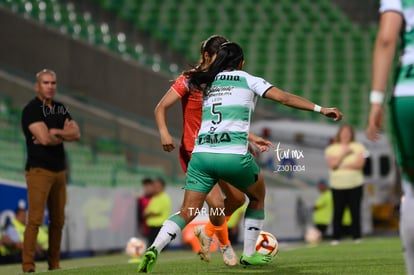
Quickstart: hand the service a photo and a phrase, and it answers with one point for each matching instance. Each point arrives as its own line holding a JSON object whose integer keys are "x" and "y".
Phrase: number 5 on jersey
{"x": 216, "y": 112}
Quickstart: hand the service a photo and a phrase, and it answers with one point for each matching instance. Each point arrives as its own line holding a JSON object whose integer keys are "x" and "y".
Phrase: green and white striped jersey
{"x": 227, "y": 109}
{"x": 405, "y": 78}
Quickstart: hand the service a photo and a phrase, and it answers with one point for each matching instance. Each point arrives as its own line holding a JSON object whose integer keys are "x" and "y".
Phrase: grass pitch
{"x": 372, "y": 256}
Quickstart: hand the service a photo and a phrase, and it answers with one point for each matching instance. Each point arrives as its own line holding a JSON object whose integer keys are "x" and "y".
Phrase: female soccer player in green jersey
{"x": 397, "y": 20}
{"x": 221, "y": 149}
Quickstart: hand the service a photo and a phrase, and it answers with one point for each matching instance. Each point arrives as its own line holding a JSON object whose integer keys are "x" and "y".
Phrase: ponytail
{"x": 228, "y": 57}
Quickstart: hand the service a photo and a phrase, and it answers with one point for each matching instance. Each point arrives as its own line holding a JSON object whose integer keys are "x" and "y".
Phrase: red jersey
{"x": 191, "y": 103}
{"x": 143, "y": 202}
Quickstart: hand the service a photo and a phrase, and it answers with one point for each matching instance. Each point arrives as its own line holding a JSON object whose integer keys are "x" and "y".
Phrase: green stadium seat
{"x": 109, "y": 5}
{"x": 5, "y": 108}
{"x": 274, "y": 34}
{"x": 127, "y": 10}
{"x": 6, "y": 3}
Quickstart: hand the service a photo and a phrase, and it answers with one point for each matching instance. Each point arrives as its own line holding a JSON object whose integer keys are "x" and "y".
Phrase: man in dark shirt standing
{"x": 46, "y": 125}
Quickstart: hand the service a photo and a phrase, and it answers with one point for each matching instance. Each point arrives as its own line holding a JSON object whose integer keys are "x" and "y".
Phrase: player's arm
{"x": 259, "y": 143}
{"x": 160, "y": 112}
{"x": 384, "y": 50}
{"x": 42, "y": 136}
{"x": 70, "y": 131}
{"x": 301, "y": 103}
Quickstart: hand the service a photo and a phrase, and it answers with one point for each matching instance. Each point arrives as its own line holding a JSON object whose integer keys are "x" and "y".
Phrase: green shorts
{"x": 205, "y": 169}
{"x": 402, "y": 121}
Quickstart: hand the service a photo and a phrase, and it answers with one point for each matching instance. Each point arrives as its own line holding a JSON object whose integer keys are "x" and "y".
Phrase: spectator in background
{"x": 323, "y": 210}
{"x": 158, "y": 209}
{"x": 346, "y": 159}
{"x": 46, "y": 125}
{"x": 13, "y": 236}
{"x": 396, "y": 28}
{"x": 3, "y": 250}
{"x": 143, "y": 201}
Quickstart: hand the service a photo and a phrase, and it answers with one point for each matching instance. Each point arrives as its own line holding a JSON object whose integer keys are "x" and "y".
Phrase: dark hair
{"x": 338, "y": 134}
{"x": 147, "y": 181}
{"x": 161, "y": 180}
{"x": 211, "y": 45}
{"x": 323, "y": 182}
{"x": 18, "y": 209}
{"x": 228, "y": 57}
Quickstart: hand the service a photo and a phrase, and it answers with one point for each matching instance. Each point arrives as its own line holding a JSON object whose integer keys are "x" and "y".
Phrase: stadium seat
{"x": 109, "y": 5}
{"x": 127, "y": 10}
{"x": 96, "y": 167}
{"x": 300, "y": 32}
{"x": 5, "y": 108}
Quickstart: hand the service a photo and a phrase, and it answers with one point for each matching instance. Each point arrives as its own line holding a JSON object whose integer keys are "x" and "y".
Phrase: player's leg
{"x": 243, "y": 172}
{"x": 254, "y": 215}
{"x": 193, "y": 201}
{"x": 253, "y": 224}
{"x": 234, "y": 198}
{"x": 198, "y": 185}
{"x": 217, "y": 224}
{"x": 204, "y": 233}
{"x": 215, "y": 201}
{"x": 222, "y": 207}
{"x": 214, "y": 225}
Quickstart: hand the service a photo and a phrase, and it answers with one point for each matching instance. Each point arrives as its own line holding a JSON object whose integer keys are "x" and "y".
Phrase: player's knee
{"x": 256, "y": 204}
{"x": 239, "y": 201}
{"x": 214, "y": 201}
{"x": 232, "y": 205}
